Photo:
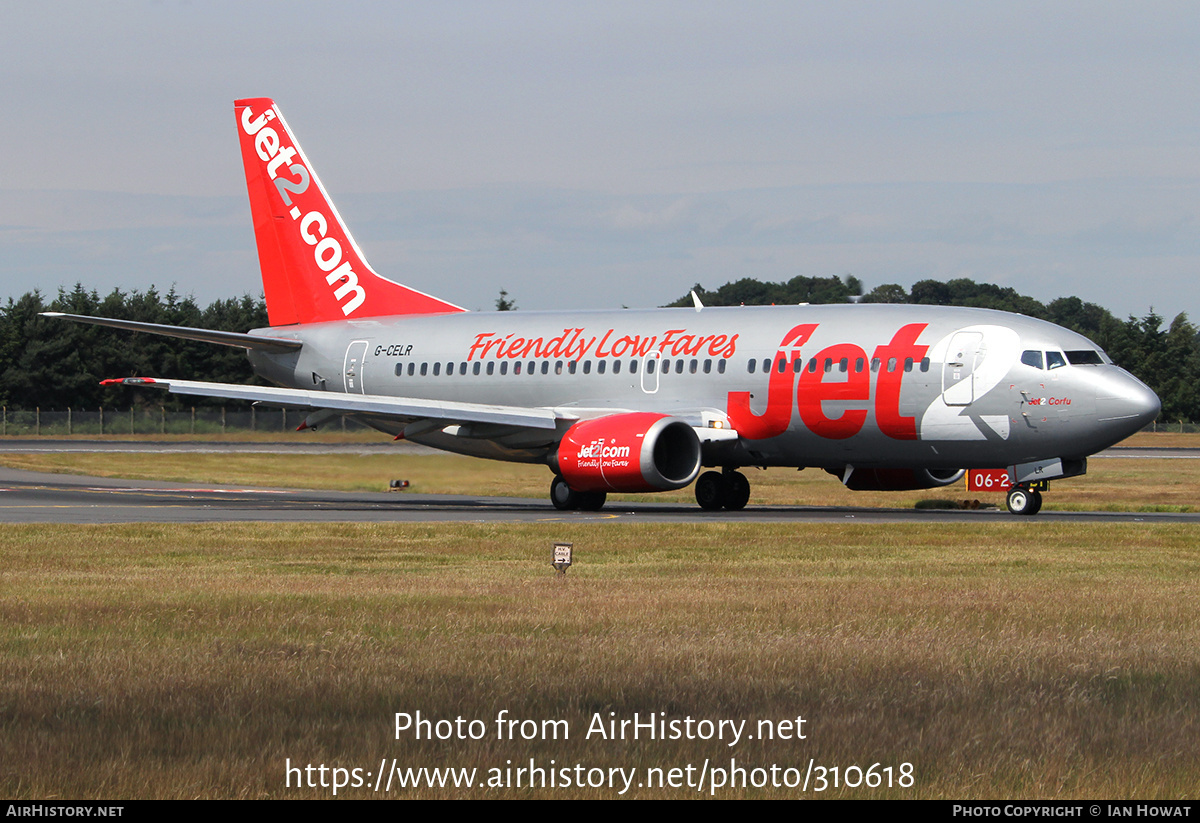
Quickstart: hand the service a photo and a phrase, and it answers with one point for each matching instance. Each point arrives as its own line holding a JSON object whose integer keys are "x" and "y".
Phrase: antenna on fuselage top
{"x": 696, "y": 300}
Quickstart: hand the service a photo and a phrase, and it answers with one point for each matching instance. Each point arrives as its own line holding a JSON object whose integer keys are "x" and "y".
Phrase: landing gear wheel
{"x": 739, "y": 491}
{"x": 711, "y": 491}
{"x": 1035, "y": 505}
{"x": 591, "y": 501}
{"x": 1023, "y": 501}
{"x": 561, "y": 495}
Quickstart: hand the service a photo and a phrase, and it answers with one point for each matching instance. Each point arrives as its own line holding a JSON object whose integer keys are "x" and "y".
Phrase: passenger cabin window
{"x": 1055, "y": 359}
{"x": 1084, "y": 358}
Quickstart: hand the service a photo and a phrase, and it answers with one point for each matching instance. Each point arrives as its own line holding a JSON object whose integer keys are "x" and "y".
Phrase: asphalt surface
{"x": 33, "y": 497}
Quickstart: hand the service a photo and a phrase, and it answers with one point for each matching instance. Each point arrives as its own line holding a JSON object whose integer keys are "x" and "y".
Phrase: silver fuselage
{"x": 828, "y": 386}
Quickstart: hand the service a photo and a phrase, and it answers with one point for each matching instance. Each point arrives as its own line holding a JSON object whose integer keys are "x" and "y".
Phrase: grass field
{"x": 180, "y": 661}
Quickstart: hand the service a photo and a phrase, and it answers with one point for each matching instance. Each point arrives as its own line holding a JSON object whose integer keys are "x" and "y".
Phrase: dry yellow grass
{"x": 1026, "y": 660}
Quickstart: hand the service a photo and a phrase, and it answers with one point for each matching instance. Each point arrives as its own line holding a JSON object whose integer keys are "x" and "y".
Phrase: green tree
{"x": 503, "y": 303}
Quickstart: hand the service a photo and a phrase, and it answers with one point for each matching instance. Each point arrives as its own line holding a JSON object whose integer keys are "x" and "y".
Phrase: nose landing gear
{"x": 1025, "y": 499}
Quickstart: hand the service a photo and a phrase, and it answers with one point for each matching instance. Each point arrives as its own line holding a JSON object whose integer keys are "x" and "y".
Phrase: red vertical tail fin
{"x": 312, "y": 269}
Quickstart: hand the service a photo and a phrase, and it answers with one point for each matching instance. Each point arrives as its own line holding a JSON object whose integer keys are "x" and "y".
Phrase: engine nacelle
{"x": 636, "y": 452}
{"x": 899, "y": 480}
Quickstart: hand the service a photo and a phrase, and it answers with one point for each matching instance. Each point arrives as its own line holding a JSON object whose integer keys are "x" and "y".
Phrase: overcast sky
{"x": 605, "y": 154}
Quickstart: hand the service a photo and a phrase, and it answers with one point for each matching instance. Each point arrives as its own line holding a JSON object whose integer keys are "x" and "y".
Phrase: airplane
{"x": 885, "y": 397}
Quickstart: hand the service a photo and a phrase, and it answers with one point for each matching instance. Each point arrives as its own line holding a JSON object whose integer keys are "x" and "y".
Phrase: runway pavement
{"x": 34, "y": 497}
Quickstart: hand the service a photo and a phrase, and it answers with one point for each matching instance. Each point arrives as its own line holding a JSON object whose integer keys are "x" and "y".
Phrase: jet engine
{"x": 898, "y": 480}
{"x": 635, "y": 452}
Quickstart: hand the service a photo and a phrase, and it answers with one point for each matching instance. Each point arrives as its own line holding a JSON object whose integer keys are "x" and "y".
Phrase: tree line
{"x": 49, "y": 363}
{"x": 1166, "y": 357}
{"x": 55, "y": 364}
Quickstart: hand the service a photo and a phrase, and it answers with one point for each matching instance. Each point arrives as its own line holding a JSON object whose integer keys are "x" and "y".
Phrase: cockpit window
{"x": 1032, "y": 358}
{"x": 1054, "y": 359}
{"x": 1086, "y": 357}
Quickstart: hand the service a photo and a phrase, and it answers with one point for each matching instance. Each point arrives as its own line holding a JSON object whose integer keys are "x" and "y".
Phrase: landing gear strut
{"x": 1024, "y": 500}
{"x": 565, "y": 498}
{"x": 728, "y": 489}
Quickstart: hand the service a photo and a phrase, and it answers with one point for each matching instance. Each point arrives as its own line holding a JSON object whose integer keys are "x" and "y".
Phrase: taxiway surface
{"x": 35, "y": 497}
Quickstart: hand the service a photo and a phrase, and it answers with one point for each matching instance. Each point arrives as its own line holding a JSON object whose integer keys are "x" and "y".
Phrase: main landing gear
{"x": 1024, "y": 500}
{"x": 728, "y": 489}
{"x": 566, "y": 499}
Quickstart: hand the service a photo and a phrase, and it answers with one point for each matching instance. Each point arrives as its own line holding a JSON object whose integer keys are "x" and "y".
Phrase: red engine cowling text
{"x": 605, "y": 454}
{"x": 812, "y": 389}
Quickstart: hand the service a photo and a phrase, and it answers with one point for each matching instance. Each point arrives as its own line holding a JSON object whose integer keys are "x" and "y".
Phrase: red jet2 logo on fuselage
{"x": 811, "y": 389}
{"x": 315, "y": 226}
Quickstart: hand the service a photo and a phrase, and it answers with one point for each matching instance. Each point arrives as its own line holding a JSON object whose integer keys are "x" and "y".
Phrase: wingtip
{"x": 127, "y": 381}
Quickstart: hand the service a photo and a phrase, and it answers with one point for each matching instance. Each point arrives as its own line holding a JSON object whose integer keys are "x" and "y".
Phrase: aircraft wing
{"x": 400, "y": 407}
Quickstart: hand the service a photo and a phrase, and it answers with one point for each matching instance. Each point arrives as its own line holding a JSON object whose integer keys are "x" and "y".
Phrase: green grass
{"x": 1023, "y": 660}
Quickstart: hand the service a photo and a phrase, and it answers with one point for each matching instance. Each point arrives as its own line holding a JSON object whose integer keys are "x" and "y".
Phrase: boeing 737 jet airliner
{"x": 883, "y": 396}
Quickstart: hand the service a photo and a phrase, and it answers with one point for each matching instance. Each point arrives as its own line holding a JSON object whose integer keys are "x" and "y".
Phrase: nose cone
{"x": 1126, "y": 404}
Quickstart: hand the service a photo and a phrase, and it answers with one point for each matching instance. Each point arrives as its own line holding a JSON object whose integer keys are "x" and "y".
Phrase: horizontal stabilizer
{"x": 223, "y": 338}
{"x": 399, "y": 407}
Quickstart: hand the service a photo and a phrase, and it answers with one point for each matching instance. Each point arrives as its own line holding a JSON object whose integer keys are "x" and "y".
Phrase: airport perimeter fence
{"x": 157, "y": 420}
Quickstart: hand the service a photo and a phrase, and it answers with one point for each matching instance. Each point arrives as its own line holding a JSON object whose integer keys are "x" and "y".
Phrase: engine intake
{"x": 636, "y": 452}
